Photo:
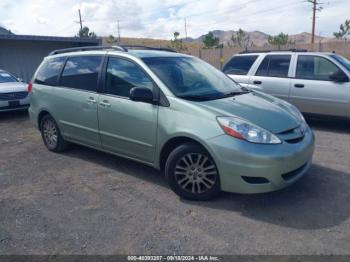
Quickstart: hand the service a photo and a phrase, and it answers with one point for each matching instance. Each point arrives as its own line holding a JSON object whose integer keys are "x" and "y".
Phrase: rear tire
{"x": 192, "y": 173}
{"x": 51, "y": 135}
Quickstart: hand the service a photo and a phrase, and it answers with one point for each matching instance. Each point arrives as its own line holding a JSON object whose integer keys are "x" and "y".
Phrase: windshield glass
{"x": 342, "y": 60}
{"x": 6, "y": 77}
{"x": 191, "y": 78}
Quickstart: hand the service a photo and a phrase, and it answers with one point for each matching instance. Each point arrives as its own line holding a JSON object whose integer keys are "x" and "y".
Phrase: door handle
{"x": 105, "y": 103}
{"x": 257, "y": 82}
{"x": 299, "y": 85}
{"x": 91, "y": 100}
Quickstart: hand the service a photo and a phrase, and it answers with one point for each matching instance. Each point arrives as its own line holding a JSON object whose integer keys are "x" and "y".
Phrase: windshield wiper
{"x": 196, "y": 97}
{"x": 236, "y": 93}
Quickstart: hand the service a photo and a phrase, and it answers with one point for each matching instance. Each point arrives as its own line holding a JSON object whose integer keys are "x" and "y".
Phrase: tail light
{"x": 30, "y": 87}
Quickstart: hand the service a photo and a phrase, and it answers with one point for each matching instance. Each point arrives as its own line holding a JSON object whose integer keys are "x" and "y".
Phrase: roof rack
{"x": 148, "y": 48}
{"x": 123, "y": 48}
{"x": 88, "y": 48}
{"x": 268, "y": 51}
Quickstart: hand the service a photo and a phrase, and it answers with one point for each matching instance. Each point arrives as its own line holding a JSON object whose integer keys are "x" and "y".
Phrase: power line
{"x": 280, "y": 8}
{"x": 284, "y": 6}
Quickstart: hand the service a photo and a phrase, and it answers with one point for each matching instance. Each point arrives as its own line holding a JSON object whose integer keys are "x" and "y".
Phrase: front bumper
{"x": 267, "y": 167}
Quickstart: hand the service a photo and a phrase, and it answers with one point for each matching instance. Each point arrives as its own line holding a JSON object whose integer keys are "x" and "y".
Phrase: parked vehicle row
{"x": 316, "y": 83}
{"x": 173, "y": 112}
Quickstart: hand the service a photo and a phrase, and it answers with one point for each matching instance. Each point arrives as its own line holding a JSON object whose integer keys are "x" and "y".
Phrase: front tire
{"x": 51, "y": 135}
{"x": 192, "y": 173}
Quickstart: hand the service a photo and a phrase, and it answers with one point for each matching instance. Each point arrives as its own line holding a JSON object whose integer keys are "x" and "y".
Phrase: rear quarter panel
{"x": 41, "y": 99}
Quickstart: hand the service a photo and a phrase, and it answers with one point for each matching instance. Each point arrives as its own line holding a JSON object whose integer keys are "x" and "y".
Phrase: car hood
{"x": 13, "y": 87}
{"x": 260, "y": 109}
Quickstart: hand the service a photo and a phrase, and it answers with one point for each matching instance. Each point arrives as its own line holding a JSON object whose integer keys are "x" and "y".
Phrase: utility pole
{"x": 316, "y": 7}
{"x": 185, "y": 28}
{"x": 80, "y": 21}
{"x": 118, "y": 31}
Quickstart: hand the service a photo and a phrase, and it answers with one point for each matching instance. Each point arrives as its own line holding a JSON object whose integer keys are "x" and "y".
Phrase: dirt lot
{"x": 88, "y": 202}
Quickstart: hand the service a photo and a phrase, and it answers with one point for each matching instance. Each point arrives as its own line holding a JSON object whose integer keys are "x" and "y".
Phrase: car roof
{"x": 153, "y": 53}
{"x": 283, "y": 52}
{"x": 138, "y": 53}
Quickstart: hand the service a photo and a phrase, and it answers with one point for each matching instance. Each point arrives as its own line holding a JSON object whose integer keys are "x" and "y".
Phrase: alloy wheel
{"x": 195, "y": 173}
{"x": 50, "y": 133}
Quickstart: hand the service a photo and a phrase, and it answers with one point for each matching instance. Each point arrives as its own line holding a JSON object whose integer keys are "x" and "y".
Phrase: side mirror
{"x": 20, "y": 79}
{"x": 141, "y": 94}
{"x": 339, "y": 77}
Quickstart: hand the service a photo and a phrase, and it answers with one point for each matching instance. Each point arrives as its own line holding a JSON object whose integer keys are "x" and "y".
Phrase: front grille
{"x": 293, "y": 136}
{"x": 13, "y": 96}
{"x": 290, "y": 175}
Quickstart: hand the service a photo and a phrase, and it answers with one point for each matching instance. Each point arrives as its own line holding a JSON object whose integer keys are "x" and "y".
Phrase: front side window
{"x": 122, "y": 75}
{"x": 240, "y": 65}
{"x": 315, "y": 68}
{"x": 192, "y": 78}
{"x": 49, "y": 71}
{"x": 342, "y": 60}
{"x": 274, "y": 66}
{"x": 81, "y": 72}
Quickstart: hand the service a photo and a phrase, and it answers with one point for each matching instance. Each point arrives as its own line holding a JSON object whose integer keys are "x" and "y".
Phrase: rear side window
{"x": 81, "y": 72}
{"x": 123, "y": 75}
{"x": 274, "y": 66}
{"x": 315, "y": 68}
{"x": 240, "y": 65}
{"x": 49, "y": 71}
{"x": 6, "y": 77}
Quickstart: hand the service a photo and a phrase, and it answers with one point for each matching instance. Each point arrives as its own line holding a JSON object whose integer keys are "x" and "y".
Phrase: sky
{"x": 160, "y": 19}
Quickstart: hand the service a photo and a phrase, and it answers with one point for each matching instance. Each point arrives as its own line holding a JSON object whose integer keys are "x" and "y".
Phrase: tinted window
{"x": 274, "y": 65}
{"x": 6, "y": 77}
{"x": 81, "y": 72}
{"x": 122, "y": 75}
{"x": 315, "y": 68}
{"x": 239, "y": 65}
{"x": 49, "y": 71}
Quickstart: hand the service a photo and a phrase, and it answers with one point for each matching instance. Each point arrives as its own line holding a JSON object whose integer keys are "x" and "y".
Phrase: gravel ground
{"x": 88, "y": 202}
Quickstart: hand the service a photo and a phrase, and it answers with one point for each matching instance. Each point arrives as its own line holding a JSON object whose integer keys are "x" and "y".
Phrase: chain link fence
{"x": 219, "y": 56}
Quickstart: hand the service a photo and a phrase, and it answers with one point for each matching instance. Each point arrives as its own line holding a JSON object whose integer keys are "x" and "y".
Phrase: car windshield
{"x": 342, "y": 60}
{"x": 6, "y": 77}
{"x": 191, "y": 78}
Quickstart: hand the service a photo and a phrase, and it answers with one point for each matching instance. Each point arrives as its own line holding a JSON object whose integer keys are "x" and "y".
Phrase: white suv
{"x": 317, "y": 83}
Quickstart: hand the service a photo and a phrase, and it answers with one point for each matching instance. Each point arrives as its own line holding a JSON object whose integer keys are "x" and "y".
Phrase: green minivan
{"x": 173, "y": 112}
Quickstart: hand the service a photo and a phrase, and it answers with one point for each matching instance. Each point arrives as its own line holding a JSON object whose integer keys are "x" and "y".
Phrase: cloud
{"x": 159, "y": 19}
{"x": 41, "y": 20}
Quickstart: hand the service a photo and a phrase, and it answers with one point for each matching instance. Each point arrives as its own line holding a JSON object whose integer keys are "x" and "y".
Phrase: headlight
{"x": 241, "y": 129}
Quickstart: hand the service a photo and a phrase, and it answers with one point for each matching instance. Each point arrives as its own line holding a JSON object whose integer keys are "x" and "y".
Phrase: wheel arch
{"x": 173, "y": 143}
{"x": 41, "y": 114}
